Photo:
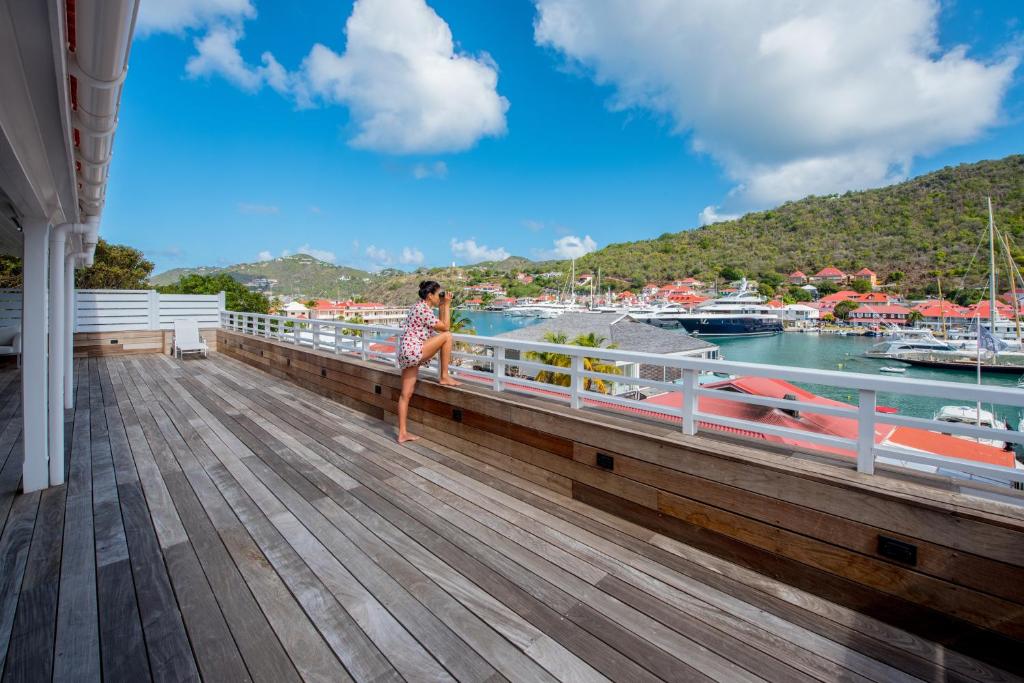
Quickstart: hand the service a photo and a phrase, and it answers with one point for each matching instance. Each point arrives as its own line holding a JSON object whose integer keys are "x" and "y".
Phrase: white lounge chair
{"x": 187, "y": 339}
{"x": 10, "y": 342}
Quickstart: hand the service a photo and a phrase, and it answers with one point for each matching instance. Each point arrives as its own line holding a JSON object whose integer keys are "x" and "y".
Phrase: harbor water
{"x": 820, "y": 351}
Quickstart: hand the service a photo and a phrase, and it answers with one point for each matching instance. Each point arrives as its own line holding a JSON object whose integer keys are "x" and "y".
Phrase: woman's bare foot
{"x": 449, "y": 382}
{"x": 402, "y": 438}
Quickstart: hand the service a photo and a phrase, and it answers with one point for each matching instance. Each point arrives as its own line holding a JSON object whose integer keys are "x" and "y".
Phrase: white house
{"x": 800, "y": 315}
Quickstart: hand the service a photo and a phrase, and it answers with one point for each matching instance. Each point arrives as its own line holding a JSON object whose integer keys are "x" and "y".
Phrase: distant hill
{"x": 512, "y": 264}
{"x": 929, "y": 224}
{"x": 300, "y": 274}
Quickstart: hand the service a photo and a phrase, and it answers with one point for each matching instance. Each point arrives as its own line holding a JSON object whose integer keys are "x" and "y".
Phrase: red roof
{"x": 872, "y": 297}
{"x": 983, "y": 309}
{"x": 774, "y": 303}
{"x": 845, "y": 295}
{"x": 797, "y": 273}
{"x": 865, "y": 271}
{"x": 366, "y": 305}
{"x": 830, "y": 272}
{"x": 938, "y": 309}
{"x": 883, "y": 309}
{"x": 918, "y": 439}
{"x": 474, "y": 301}
{"x": 690, "y": 280}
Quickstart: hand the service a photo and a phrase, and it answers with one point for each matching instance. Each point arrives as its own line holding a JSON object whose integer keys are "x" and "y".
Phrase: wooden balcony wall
{"x": 812, "y": 524}
{"x": 132, "y": 341}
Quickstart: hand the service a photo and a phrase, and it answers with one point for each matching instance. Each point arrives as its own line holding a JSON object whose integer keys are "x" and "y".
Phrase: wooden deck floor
{"x": 220, "y": 523}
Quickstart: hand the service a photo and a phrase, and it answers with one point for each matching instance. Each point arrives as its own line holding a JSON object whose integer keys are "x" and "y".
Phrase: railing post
{"x": 296, "y": 332}
{"x": 866, "y": 431}
{"x": 576, "y": 381}
{"x": 499, "y": 368}
{"x": 315, "y": 326}
{"x": 362, "y": 344}
{"x": 690, "y": 385}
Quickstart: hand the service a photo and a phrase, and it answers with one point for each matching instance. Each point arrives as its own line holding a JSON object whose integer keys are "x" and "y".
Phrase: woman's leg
{"x": 408, "y": 385}
{"x": 442, "y": 343}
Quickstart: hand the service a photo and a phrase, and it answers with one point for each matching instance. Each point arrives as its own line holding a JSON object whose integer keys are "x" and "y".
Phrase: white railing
{"x": 486, "y": 360}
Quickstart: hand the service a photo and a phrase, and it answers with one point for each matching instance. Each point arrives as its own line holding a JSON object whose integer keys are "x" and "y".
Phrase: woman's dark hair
{"x": 428, "y": 287}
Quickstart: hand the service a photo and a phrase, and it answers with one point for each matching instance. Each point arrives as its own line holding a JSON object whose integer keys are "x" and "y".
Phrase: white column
{"x": 35, "y": 470}
{"x": 55, "y": 358}
{"x": 69, "y": 331}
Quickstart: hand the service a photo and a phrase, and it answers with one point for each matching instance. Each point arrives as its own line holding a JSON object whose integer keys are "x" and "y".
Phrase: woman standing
{"x": 425, "y": 335}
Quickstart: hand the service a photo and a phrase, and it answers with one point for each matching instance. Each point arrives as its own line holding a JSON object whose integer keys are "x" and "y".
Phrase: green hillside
{"x": 929, "y": 224}
{"x": 299, "y": 274}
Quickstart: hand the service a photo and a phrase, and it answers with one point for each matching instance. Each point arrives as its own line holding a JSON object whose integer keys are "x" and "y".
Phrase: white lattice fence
{"x": 117, "y": 310}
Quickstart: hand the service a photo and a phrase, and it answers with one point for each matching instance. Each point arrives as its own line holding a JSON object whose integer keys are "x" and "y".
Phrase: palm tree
{"x": 559, "y": 360}
{"x": 562, "y": 360}
{"x": 594, "y": 341}
{"x": 914, "y": 318}
{"x": 460, "y": 324}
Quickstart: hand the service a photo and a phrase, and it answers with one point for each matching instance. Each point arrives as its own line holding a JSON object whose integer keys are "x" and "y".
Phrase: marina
{"x": 834, "y": 352}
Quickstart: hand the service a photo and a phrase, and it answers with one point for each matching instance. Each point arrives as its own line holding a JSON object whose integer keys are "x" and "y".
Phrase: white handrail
{"x": 359, "y": 340}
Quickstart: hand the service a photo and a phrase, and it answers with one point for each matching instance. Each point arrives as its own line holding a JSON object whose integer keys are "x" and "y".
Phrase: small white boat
{"x": 889, "y": 368}
{"x": 970, "y": 415}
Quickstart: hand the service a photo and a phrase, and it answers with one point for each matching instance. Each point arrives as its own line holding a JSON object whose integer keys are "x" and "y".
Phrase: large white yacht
{"x": 740, "y": 313}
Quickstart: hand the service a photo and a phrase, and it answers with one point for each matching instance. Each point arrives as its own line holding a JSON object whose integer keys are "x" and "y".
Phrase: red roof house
{"x": 830, "y": 274}
{"x": 797, "y": 277}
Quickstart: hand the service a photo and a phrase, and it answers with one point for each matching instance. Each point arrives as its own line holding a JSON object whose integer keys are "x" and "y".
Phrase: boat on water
{"x": 908, "y": 341}
{"x": 970, "y": 415}
{"x": 962, "y": 359}
{"x": 739, "y": 314}
{"x": 891, "y": 369}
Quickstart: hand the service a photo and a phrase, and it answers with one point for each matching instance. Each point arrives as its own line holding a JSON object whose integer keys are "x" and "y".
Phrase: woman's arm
{"x": 445, "y": 319}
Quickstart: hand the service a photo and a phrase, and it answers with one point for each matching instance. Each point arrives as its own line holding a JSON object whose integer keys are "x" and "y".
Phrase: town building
{"x": 879, "y": 314}
{"x": 800, "y": 315}
{"x": 797, "y": 277}
{"x": 829, "y": 274}
{"x": 866, "y": 274}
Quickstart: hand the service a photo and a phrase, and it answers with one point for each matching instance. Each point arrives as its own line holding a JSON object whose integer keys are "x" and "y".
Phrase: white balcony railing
{"x": 488, "y": 362}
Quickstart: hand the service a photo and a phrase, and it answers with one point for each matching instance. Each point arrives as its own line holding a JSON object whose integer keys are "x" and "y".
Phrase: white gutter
{"x": 102, "y": 39}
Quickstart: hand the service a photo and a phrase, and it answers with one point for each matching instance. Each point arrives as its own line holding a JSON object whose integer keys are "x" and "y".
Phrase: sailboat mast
{"x": 942, "y": 307}
{"x": 1005, "y": 243}
{"x": 991, "y": 269}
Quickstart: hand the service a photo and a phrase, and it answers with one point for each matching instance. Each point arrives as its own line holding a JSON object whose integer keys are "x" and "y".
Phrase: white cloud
{"x": 257, "y": 208}
{"x": 411, "y": 255}
{"x": 471, "y": 252}
{"x": 570, "y": 246}
{"x": 321, "y": 254}
{"x": 378, "y": 255}
{"x": 173, "y": 16}
{"x": 710, "y": 215}
{"x": 438, "y": 170}
{"x": 406, "y": 87}
{"x": 791, "y": 97}
{"x": 264, "y": 255}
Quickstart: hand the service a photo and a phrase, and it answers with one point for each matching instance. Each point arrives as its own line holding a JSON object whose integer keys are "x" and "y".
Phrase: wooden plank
{"x": 77, "y": 647}
{"x": 309, "y": 652}
{"x": 32, "y": 638}
{"x": 259, "y": 647}
{"x": 215, "y": 651}
{"x": 387, "y": 633}
{"x": 346, "y": 639}
{"x": 14, "y": 547}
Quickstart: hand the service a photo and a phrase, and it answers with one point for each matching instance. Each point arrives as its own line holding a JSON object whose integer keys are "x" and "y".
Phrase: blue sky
{"x": 548, "y": 129}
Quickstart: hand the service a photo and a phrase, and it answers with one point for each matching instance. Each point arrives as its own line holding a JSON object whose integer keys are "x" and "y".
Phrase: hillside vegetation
{"x": 926, "y": 225}
{"x": 299, "y": 274}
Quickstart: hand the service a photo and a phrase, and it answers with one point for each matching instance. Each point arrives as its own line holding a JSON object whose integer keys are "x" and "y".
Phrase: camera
{"x": 441, "y": 294}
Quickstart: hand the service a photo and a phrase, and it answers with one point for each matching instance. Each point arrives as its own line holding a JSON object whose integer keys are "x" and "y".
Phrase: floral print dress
{"x": 419, "y": 326}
